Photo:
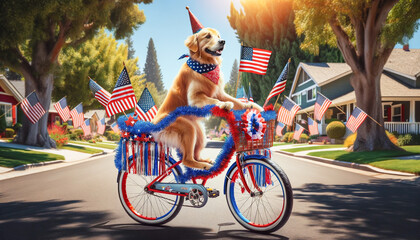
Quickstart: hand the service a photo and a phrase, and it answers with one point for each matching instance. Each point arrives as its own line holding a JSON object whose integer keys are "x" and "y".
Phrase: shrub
{"x": 92, "y": 141}
{"x": 17, "y": 126}
{"x": 327, "y": 121}
{"x": 77, "y": 134}
{"x": 351, "y": 138}
{"x": 402, "y": 139}
{"x": 59, "y": 135}
{"x": 9, "y": 133}
{"x": 112, "y": 136}
{"x": 303, "y": 137}
{"x": 336, "y": 130}
{"x": 287, "y": 137}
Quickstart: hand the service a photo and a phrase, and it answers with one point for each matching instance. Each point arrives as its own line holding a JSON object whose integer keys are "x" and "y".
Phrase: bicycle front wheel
{"x": 150, "y": 208}
{"x": 269, "y": 206}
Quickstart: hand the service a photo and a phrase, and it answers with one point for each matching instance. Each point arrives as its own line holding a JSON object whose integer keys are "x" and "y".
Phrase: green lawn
{"x": 300, "y": 149}
{"x": 381, "y": 159}
{"x": 81, "y": 149}
{"x": 12, "y": 157}
{"x": 98, "y": 144}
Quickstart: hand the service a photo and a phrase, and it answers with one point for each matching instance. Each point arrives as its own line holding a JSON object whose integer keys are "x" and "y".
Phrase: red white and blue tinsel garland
{"x": 254, "y": 124}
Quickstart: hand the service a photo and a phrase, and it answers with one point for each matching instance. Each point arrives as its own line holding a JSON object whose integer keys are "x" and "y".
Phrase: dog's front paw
{"x": 225, "y": 105}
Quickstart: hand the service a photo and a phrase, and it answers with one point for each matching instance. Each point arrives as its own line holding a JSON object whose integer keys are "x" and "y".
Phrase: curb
{"x": 358, "y": 166}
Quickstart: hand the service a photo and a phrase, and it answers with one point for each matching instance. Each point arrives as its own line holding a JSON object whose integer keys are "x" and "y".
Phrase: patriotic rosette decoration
{"x": 254, "y": 124}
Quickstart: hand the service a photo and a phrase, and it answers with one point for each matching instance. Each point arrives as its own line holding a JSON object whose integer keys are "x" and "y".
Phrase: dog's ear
{"x": 192, "y": 43}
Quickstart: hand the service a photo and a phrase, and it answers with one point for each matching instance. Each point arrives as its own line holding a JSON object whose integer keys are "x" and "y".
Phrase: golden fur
{"x": 193, "y": 89}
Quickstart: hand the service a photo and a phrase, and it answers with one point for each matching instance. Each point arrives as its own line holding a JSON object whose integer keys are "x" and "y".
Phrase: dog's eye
{"x": 208, "y": 36}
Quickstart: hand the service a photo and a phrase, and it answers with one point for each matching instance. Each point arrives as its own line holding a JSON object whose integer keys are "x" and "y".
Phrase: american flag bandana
{"x": 210, "y": 71}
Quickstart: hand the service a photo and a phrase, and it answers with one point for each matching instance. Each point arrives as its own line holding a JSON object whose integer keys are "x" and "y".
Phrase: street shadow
{"x": 215, "y": 144}
{"x": 247, "y": 235}
{"x": 381, "y": 209}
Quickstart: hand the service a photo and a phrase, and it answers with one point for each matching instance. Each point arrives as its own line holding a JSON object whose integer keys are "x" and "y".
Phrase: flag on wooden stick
{"x": 122, "y": 97}
{"x": 250, "y": 98}
{"x": 287, "y": 111}
{"x": 280, "y": 84}
{"x": 62, "y": 109}
{"x": 146, "y": 108}
{"x": 115, "y": 127}
{"x": 313, "y": 127}
{"x": 279, "y": 129}
{"x": 86, "y": 127}
{"x": 100, "y": 94}
{"x": 254, "y": 60}
{"x": 356, "y": 118}
{"x": 32, "y": 108}
{"x": 241, "y": 95}
{"x": 101, "y": 126}
{"x": 298, "y": 131}
{"x": 77, "y": 116}
{"x": 321, "y": 105}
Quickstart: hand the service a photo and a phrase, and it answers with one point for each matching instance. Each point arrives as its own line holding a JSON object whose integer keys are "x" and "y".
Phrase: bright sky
{"x": 168, "y": 23}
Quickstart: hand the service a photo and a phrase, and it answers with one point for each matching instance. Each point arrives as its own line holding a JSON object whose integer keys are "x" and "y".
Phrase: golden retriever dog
{"x": 191, "y": 88}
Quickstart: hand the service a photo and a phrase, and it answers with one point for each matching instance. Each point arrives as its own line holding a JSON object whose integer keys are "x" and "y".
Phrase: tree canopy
{"x": 152, "y": 67}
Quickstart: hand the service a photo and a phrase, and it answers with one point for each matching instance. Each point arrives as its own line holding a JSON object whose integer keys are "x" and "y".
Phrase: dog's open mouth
{"x": 215, "y": 53}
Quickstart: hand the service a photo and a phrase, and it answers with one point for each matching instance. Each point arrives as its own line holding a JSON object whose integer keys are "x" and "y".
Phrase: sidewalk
{"x": 69, "y": 156}
{"x": 365, "y": 167}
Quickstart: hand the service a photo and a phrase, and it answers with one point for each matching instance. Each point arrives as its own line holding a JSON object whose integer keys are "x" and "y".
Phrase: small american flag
{"x": 101, "y": 126}
{"x": 250, "y": 98}
{"x": 123, "y": 97}
{"x": 287, "y": 111}
{"x": 313, "y": 127}
{"x": 86, "y": 127}
{"x": 146, "y": 108}
{"x": 241, "y": 95}
{"x": 32, "y": 108}
{"x": 77, "y": 115}
{"x": 62, "y": 109}
{"x": 280, "y": 84}
{"x": 298, "y": 131}
{"x": 115, "y": 128}
{"x": 254, "y": 60}
{"x": 356, "y": 118}
{"x": 100, "y": 94}
{"x": 279, "y": 129}
{"x": 321, "y": 105}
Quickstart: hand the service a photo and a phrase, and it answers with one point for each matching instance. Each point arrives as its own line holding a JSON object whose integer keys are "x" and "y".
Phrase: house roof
{"x": 15, "y": 87}
{"x": 101, "y": 113}
{"x": 389, "y": 88}
{"x": 405, "y": 62}
{"x": 323, "y": 73}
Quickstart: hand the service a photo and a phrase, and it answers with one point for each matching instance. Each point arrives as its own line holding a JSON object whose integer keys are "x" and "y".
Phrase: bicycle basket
{"x": 243, "y": 144}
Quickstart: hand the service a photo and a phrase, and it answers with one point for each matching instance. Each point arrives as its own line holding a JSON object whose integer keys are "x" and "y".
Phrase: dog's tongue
{"x": 219, "y": 51}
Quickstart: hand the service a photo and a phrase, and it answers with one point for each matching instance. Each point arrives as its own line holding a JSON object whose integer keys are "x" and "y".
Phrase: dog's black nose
{"x": 222, "y": 42}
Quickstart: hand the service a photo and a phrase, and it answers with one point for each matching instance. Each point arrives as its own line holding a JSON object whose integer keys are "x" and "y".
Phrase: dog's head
{"x": 206, "y": 46}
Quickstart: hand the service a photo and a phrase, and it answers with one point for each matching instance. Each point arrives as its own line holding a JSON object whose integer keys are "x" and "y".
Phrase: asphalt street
{"x": 81, "y": 202}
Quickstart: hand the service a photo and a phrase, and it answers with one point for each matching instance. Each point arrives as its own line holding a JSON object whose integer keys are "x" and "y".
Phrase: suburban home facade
{"x": 400, "y": 89}
{"x": 9, "y": 99}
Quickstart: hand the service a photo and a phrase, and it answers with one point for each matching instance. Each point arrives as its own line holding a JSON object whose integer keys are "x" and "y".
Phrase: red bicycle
{"x": 153, "y": 186}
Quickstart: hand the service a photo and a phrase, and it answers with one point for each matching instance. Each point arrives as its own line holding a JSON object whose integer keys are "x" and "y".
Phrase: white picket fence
{"x": 403, "y": 127}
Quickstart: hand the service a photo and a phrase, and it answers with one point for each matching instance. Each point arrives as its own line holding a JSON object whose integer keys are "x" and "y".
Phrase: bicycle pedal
{"x": 213, "y": 193}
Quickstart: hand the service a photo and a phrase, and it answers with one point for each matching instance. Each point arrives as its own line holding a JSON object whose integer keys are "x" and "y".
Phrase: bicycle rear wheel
{"x": 150, "y": 208}
{"x": 268, "y": 209}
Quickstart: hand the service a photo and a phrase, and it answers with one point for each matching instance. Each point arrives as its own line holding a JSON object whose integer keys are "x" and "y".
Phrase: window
{"x": 6, "y": 108}
{"x": 311, "y": 95}
{"x": 396, "y": 113}
{"x": 298, "y": 99}
{"x": 303, "y": 77}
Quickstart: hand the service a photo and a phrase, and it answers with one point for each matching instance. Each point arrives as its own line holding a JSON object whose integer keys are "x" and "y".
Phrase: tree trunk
{"x": 37, "y": 134}
{"x": 370, "y": 135}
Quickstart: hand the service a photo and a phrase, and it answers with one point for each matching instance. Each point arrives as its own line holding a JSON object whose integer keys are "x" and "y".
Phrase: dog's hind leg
{"x": 200, "y": 142}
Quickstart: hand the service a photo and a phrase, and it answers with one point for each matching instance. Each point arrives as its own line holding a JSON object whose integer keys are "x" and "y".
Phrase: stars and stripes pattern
{"x": 287, "y": 111}
{"x": 115, "y": 127}
{"x": 241, "y": 95}
{"x": 250, "y": 98}
{"x": 77, "y": 115}
{"x": 356, "y": 118}
{"x": 254, "y": 60}
{"x": 86, "y": 127}
{"x": 298, "y": 131}
{"x": 32, "y": 108}
{"x": 279, "y": 129}
{"x": 313, "y": 127}
{"x": 122, "y": 97}
{"x": 62, "y": 109}
{"x": 321, "y": 105}
{"x": 146, "y": 108}
{"x": 280, "y": 84}
{"x": 101, "y": 126}
{"x": 100, "y": 94}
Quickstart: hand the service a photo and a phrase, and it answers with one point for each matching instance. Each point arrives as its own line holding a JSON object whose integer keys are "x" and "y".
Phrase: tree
{"x": 100, "y": 58}
{"x": 231, "y": 85}
{"x": 31, "y": 41}
{"x": 131, "y": 50}
{"x": 152, "y": 68}
{"x": 366, "y": 33}
{"x": 269, "y": 25}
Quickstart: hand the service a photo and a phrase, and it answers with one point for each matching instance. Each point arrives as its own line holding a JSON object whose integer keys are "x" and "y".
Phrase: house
{"x": 95, "y": 115}
{"x": 400, "y": 89}
{"x": 9, "y": 98}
